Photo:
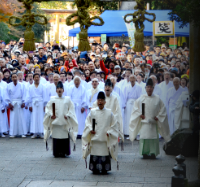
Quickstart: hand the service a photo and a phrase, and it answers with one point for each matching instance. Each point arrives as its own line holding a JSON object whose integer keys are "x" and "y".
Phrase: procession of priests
{"x": 100, "y": 113}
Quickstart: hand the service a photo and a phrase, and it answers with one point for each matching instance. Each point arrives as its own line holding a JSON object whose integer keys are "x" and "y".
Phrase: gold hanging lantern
{"x": 83, "y": 18}
{"x": 138, "y": 17}
{"x": 28, "y": 20}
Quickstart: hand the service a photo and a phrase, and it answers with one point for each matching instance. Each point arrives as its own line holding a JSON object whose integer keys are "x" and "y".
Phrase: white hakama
{"x": 79, "y": 98}
{"x": 131, "y": 94}
{"x": 3, "y": 116}
{"x": 16, "y": 96}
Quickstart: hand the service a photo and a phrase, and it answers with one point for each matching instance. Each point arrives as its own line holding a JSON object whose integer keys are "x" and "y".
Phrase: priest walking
{"x": 149, "y": 117}
{"x": 60, "y": 121}
{"x": 100, "y": 137}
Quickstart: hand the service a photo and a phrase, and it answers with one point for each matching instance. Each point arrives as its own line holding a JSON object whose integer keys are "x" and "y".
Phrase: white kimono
{"x": 165, "y": 87}
{"x": 113, "y": 104}
{"x": 92, "y": 96}
{"x": 37, "y": 99}
{"x": 79, "y": 98}
{"x": 100, "y": 86}
{"x": 16, "y": 96}
{"x": 100, "y": 144}
{"x": 182, "y": 113}
{"x": 60, "y": 127}
{"x": 157, "y": 91}
{"x": 148, "y": 127}
{"x": 171, "y": 100}
{"x": 131, "y": 94}
{"x": 3, "y": 116}
{"x": 143, "y": 85}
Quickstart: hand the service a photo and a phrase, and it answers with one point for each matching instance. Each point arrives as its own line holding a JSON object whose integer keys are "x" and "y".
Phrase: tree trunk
{"x": 195, "y": 67}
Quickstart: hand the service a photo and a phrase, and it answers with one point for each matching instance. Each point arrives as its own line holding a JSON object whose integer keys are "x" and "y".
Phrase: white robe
{"x": 171, "y": 100}
{"x": 3, "y": 116}
{"x": 43, "y": 80}
{"x": 165, "y": 87}
{"x": 79, "y": 98}
{"x": 16, "y": 96}
{"x": 89, "y": 94}
{"x": 182, "y": 113}
{"x": 157, "y": 91}
{"x": 100, "y": 86}
{"x": 100, "y": 144}
{"x": 131, "y": 94}
{"x": 154, "y": 107}
{"x": 60, "y": 127}
{"x": 113, "y": 104}
{"x": 37, "y": 99}
{"x": 143, "y": 85}
{"x": 122, "y": 84}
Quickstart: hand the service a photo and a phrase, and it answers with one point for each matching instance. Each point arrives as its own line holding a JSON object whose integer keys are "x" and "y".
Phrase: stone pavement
{"x": 25, "y": 162}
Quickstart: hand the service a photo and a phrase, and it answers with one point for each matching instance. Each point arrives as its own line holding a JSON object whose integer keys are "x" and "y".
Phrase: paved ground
{"x": 25, "y": 162}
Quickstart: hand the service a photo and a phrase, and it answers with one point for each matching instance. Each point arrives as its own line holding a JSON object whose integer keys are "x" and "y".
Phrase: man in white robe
{"x": 141, "y": 83}
{"x": 3, "y": 114}
{"x": 100, "y": 137}
{"x": 150, "y": 123}
{"x": 92, "y": 76}
{"x": 182, "y": 113}
{"x": 37, "y": 99}
{"x": 69, "y": 81}
{"x": 112, "y": 103}
{"x": 50, "y": 79}
{"x": 42, "y": 79}
{"x": 165, "y": 86}
{"x": 92, "y": 93}
{"x": 51, "y": 88}
{"x": 15, "y": 98}
{"x": 123, "y": 83}
{"x": 132, "y": 93}
{"x": 157, "y": 90}
{"x": 62, "y": 125}
{"x": 172, "y": 97}
{"x": 3, "y": 84}
{"x": 77, "y": 93}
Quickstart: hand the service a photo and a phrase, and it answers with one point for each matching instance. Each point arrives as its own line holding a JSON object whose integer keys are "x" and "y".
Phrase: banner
{"x": 103, "y": 39}
{"x": 163, "y": 28}
{"x": 131, "y": 30}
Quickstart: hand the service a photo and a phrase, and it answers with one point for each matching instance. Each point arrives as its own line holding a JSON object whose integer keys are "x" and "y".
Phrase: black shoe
{"x": 79, "y": 136}
{"x": 153, "y": 156}
{"x": 145, "y": 156}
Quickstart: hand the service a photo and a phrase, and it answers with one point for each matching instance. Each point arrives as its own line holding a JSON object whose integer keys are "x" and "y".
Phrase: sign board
{"x": 131, "y": 30}
{"x": 163, "y": 28}
{"x": 103, "y": 39}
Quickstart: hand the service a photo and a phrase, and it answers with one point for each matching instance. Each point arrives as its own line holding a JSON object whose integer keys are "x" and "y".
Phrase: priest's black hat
{"x": 149, "y": 82}
{"x": 101, "y": 95}
{"x": 108, "y": 83}
{"x": 60, "y": 85}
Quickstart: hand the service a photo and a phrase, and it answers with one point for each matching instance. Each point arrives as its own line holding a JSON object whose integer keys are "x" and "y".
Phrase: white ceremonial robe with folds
{"x": 165, "y": 87}
{"x": 182, "y": 113}
{"x": 92, "y": 96}
{"x": 37, "y": 99}
{"x": 154, "y": 107}
{"x": 143, "y": 85}
{"x": 113, "y": 104}
{"x": 131, "y": 94}
{"x": 43, "y": 80}
{"x": 3, "y": 84}
{"x": 3, "y": 116}
{"x": 60, "y": 127}
{"x": 79, "y": 98}
{"x": 100, "y": 144}
{"x": 122, "y": 84}
{"x": 171, "y": 100}
{"x": 16, "y": 96}
{"x": 157, "y": 91}
{"x": 100, "y": 86}
{"x": 27, "y": 111}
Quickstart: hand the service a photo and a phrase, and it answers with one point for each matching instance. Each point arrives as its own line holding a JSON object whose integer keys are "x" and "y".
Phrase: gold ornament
{"x": 138, "y": 19}
{"x": 83, "y": 18}
{"x": 28, "y": 20}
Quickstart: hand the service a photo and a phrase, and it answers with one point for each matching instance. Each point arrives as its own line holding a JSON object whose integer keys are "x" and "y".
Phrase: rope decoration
{"x": 28, "y": 20}
{"x": 83, "y": 18}
{"x": 138, "y": 19}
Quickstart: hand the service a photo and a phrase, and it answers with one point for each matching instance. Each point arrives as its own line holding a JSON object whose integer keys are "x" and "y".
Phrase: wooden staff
{"x": 143, "y": 109}
{"x": 93, "y": 124}
{"x": 54, "y": 109}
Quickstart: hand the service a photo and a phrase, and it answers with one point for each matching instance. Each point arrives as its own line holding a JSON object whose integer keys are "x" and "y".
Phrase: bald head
{"x": 176, "y": 82}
